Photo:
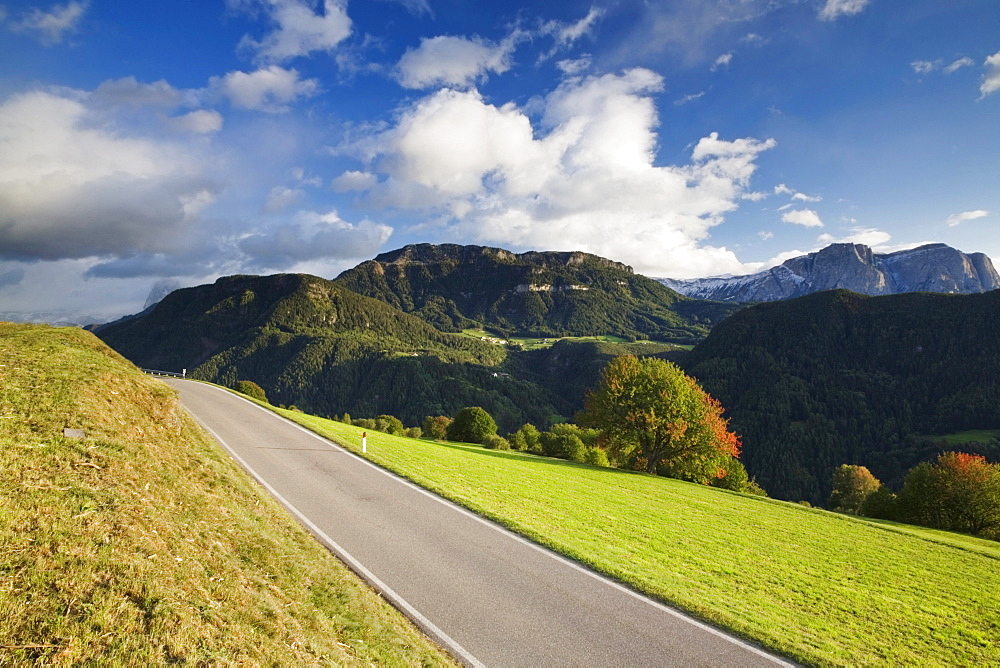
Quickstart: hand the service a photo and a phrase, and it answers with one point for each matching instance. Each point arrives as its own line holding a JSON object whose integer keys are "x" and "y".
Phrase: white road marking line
{"x": 521, "y": 539}
{"x": 426, "y": 625}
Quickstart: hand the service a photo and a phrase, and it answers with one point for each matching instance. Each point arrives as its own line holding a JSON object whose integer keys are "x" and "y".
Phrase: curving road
{"x": 489, "y": 596}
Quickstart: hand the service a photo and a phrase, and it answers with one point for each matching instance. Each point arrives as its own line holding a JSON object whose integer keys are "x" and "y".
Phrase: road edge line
{"x": 397, "y": 601}
{"x": 583, "y": 568}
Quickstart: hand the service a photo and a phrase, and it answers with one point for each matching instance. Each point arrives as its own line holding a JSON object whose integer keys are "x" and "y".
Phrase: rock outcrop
{"x": 855, "y": 267}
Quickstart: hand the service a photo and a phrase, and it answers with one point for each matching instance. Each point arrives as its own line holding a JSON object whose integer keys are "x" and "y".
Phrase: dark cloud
{"x": 115, "y": 215}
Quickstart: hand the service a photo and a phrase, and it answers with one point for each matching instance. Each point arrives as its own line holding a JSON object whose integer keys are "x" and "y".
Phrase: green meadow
{"x": 143, "y": 543}
{"x": 970, "y": 436}
{"x": 821, "y": 588}
{"x": 539, "y": 342}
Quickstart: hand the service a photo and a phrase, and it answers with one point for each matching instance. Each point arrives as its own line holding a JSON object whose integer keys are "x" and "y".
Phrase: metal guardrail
{"x": 172, "y": 374}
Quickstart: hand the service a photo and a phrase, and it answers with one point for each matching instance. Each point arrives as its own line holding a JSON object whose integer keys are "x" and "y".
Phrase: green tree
{"x": 651, "y": 409}
{"x": 880, "y": 504}
{"x": 528, "y": 438}
{"x": 251, "y": 389}
{"x": 734, "y": 478}
{"x": 958, "y": 492}
{"x": 436, "y": 426}
{"x": 471, "y": 425}
{"x": 851, "y": 486}
{"x": 390, "y": 425}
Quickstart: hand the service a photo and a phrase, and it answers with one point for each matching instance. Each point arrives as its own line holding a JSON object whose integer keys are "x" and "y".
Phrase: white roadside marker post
{"x": 364, "y": 442}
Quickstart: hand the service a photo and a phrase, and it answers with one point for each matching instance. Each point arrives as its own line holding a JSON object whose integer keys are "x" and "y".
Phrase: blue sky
{"x": 161, "y": 143}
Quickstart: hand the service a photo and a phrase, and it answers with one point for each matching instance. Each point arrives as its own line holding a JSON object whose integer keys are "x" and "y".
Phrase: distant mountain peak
{"x": 933, "y": 267}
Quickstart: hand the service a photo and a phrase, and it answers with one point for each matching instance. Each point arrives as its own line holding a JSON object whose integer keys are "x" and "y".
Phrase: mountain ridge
{"x": 537, "y": 293}
{"x": 856, "y": 267}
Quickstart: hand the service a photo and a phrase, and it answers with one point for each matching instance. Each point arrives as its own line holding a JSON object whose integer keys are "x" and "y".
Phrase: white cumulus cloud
{"x": 804, "y": 217}
{"x": 722, "y": 61}
{"x": 353, "y": 181}
{"x": 300, "y": 30}
{"x": 201, "y": 121}
{"x": 271, "y": 89}
{"x": 453, "y": 61}
{"x": 991, "y": 80}
{"x": 52, "y": 26}
{"x": 583, "y": 178}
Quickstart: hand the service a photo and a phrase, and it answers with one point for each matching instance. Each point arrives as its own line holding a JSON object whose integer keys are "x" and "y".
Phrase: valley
{"x": 819, "y": 587}
{"x": 809, "y": 383}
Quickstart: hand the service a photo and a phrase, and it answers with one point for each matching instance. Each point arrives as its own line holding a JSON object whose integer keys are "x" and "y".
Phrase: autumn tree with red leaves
{"x": 958, "y": 492}
{"x": 651, "y": 409}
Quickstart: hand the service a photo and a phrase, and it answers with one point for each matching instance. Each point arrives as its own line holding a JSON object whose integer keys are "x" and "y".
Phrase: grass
{"x": 535, "y": 343}
{"x": 973, "y": 435}
{"x": 144, "y": 544}
{"x": 819, "y": 587}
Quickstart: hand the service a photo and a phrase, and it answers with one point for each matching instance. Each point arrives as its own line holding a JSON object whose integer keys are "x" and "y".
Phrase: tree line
{"x": 645, "y": 414}
{"x": 957, "y": 491}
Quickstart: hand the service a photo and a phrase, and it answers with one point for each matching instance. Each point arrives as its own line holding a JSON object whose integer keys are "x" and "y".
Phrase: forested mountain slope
{"x": 839, "y": 378}
{"x": 535, "y": 293}
{"x": 317, "y": 345}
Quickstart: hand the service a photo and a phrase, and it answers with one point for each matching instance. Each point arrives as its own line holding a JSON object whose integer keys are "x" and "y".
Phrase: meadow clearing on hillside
{"x": 822, "y": 588}
{"x": 144, "y": 544}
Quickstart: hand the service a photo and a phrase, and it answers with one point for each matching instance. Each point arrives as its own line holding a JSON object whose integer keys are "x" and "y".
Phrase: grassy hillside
{"x": 839, "y": 378}
{"x": 316, "y": 345}
{"x": 144, "y": 544}
{"x": 825, "y": 589}
{"x": 531, "y": 294}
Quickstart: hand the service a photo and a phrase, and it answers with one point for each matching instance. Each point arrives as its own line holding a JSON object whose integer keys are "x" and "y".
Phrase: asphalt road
{"x": 489, "y": 596}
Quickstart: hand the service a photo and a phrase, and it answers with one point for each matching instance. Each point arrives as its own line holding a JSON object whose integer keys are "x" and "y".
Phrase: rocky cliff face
{"x": 930, "y": 268}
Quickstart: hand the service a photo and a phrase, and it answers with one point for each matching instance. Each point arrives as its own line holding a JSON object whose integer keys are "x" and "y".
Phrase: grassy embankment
{"x": 823, "y": 588}
{"x": 144, "y": 544}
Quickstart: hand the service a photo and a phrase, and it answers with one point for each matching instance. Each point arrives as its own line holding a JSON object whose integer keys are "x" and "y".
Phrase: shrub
{"x": 496, "y": 442}
{"x": 565, "y": 446}
{"x": 251, "y": 389}
{"x": 364, "y": 423}
{"x": 389, "y": 425}
{"x": 413, "y": 432}
{"x": 471, "y": 425}
{"x": 588, "y": 436}
{"x": 597, "y": 457}
{"x": 735, "y": 478}
{"x": 436, "y": 426}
